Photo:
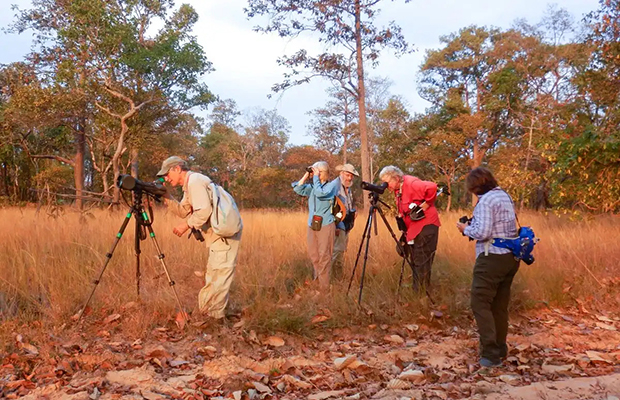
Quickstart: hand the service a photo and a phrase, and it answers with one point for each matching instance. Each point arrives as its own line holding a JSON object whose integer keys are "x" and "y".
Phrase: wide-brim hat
{"x": 348, "y": 168}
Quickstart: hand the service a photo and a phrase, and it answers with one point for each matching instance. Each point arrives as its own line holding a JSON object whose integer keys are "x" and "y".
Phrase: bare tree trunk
{"x": 78, "y": 166}
{"x": 4, "y": 185}
{"x": 134, "y": 162}
{"x": 449, "y": 185}
{"x": 120, "y": 145}
{"x": 477, "y": 161}
{"x": 345, "y": 133}
{"x": 361, "y": 99}
{"x": 117, "y": 156}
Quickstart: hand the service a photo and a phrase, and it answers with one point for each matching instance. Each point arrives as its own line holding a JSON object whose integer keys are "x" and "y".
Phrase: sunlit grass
{"x": 47, "y": 266}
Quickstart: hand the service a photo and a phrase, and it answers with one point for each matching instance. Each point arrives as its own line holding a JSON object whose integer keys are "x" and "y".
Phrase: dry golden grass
{"x": 47, "y": 267}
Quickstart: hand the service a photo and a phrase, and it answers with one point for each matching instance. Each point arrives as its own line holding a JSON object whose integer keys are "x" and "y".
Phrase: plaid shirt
{"x": 494, "y": 217}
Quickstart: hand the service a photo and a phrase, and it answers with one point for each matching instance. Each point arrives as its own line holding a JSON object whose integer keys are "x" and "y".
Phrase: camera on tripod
{"x": 378, "y": 189}
{"x": 128, "y": 182}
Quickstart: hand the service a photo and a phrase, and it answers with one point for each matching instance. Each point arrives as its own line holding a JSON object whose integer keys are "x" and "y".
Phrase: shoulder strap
{"x": 514, "y": 208}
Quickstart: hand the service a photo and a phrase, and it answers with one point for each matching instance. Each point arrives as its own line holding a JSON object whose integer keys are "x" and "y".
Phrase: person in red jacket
{"x": 415, "y": 200}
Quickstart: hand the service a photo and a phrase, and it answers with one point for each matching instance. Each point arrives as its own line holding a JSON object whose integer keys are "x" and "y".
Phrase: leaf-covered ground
{"x": 554, "y": 354}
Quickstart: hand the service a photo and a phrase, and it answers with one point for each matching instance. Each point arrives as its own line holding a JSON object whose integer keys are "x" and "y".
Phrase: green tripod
{"x": 142, "y": 221}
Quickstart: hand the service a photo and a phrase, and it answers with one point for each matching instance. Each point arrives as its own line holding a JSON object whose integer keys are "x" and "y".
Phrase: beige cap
{"x": 170, "y": 162}
{"x": 348, "y": 168}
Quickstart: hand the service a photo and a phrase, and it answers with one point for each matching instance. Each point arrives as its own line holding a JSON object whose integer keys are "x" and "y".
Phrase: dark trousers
{"x": 490, "y": 295}
{"x": 422, "y": 254}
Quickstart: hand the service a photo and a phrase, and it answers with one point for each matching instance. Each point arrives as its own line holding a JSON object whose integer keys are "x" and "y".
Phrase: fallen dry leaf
{"x": 239, "y": 324}
{"x": 606, "y": 326}
{"x": 550, "y": 369}
{"x": 181, "y": 319}
{"x": 394, "y": 339}
{"x": 112, "y": 318}
{"x": 296, "y": 382}
{"x": 510, "y": 379}
{"x": 274, "y": 341}
{"x": 158, "y": 351}
{"x": 412, "y": 375}
{"x": 326, "y": 395}
{"x": 261, "y": 387}
{"x": 604, "y": 318}
{"x": 30, "y": 349}
{"x": 344, "y": 362}
{"x": 398, "y": 384}
{"x": 597, "y": 356}
{"x": 319, "y": 318}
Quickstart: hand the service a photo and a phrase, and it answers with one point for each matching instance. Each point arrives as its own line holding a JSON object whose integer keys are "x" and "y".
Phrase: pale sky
{"x": 245, "y": 61}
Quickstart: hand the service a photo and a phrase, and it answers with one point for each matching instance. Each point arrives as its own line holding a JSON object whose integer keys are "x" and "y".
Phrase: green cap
{"x": 170, "y": 162}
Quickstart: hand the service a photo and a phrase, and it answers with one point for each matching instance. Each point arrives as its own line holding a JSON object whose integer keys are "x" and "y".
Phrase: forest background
{"x": 115, "y": 87}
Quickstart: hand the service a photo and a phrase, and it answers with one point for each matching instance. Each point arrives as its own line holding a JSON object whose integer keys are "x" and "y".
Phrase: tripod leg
{"x": 137, "y": 252}
{"x": 359, "y": 251}
{"x": 402, "y": 248}
{"x": 105, "y": 265}
{"x": 161, "y": 256}
{"x": 370, "y": 218}
{"x": 400, "y": 280}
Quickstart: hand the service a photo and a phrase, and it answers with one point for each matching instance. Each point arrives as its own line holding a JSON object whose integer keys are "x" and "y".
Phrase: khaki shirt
{"x": 196, "y": 201}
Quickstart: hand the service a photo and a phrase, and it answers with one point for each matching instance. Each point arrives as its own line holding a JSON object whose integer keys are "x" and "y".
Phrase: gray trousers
{"x": 341, "y": 240}
{"x": 320, "y": 250}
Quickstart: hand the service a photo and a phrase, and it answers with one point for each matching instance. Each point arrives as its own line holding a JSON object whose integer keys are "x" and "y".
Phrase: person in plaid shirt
{"x": 495, "y": 268}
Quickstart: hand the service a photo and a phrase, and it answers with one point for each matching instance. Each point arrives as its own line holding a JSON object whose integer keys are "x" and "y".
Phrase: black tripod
{"x": 372, "y": 217}
{"x": 142, "y": 221}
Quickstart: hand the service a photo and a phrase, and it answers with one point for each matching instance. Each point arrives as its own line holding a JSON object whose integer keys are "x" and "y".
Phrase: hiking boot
{"x": 485, "y": 362}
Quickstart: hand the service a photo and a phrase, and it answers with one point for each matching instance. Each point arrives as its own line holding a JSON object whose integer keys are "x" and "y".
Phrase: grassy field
{"x": 47, "y": 266}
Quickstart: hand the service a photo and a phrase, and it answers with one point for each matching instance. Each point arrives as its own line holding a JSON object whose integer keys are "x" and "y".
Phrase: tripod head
{"x": 374, "y": 198}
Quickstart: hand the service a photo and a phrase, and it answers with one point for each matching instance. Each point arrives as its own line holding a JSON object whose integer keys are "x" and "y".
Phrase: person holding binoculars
{"x": 321, "y": 226}
{"x": 415, "y": 202}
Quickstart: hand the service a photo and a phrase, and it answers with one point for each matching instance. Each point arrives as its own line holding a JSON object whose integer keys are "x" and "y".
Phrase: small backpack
{"x": 339, "y": 210}
{"x": 225, "y": 217}
{"x": 521, "y": 246}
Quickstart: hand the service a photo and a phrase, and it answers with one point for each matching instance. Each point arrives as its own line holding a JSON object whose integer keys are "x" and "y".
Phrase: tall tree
{"x": 463, "y": 66}
{"x": 347, "y": 27}
{"x": 332, "y": 126}
{"x": 121, "y": 70}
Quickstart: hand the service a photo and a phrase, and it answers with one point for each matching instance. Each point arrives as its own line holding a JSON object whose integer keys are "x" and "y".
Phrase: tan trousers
{"x": 341, "y": 240}
{"x": 320, "y": 249}
{"x": 213, "y": 297}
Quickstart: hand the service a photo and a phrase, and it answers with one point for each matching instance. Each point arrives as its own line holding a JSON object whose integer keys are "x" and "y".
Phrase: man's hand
{"x": 180, "y": 229}
{"x": 424, "y": 206}
{"x": 461, "y": 226}
{"x": 337, "y": 232}
{"x": 168, "y": 195}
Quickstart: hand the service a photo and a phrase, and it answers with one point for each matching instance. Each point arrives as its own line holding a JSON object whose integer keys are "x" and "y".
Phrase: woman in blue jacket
{"x": 321, "y": 226}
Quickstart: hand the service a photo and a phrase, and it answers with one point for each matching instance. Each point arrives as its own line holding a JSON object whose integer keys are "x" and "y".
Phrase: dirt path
{"x": 554, "y": 355}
